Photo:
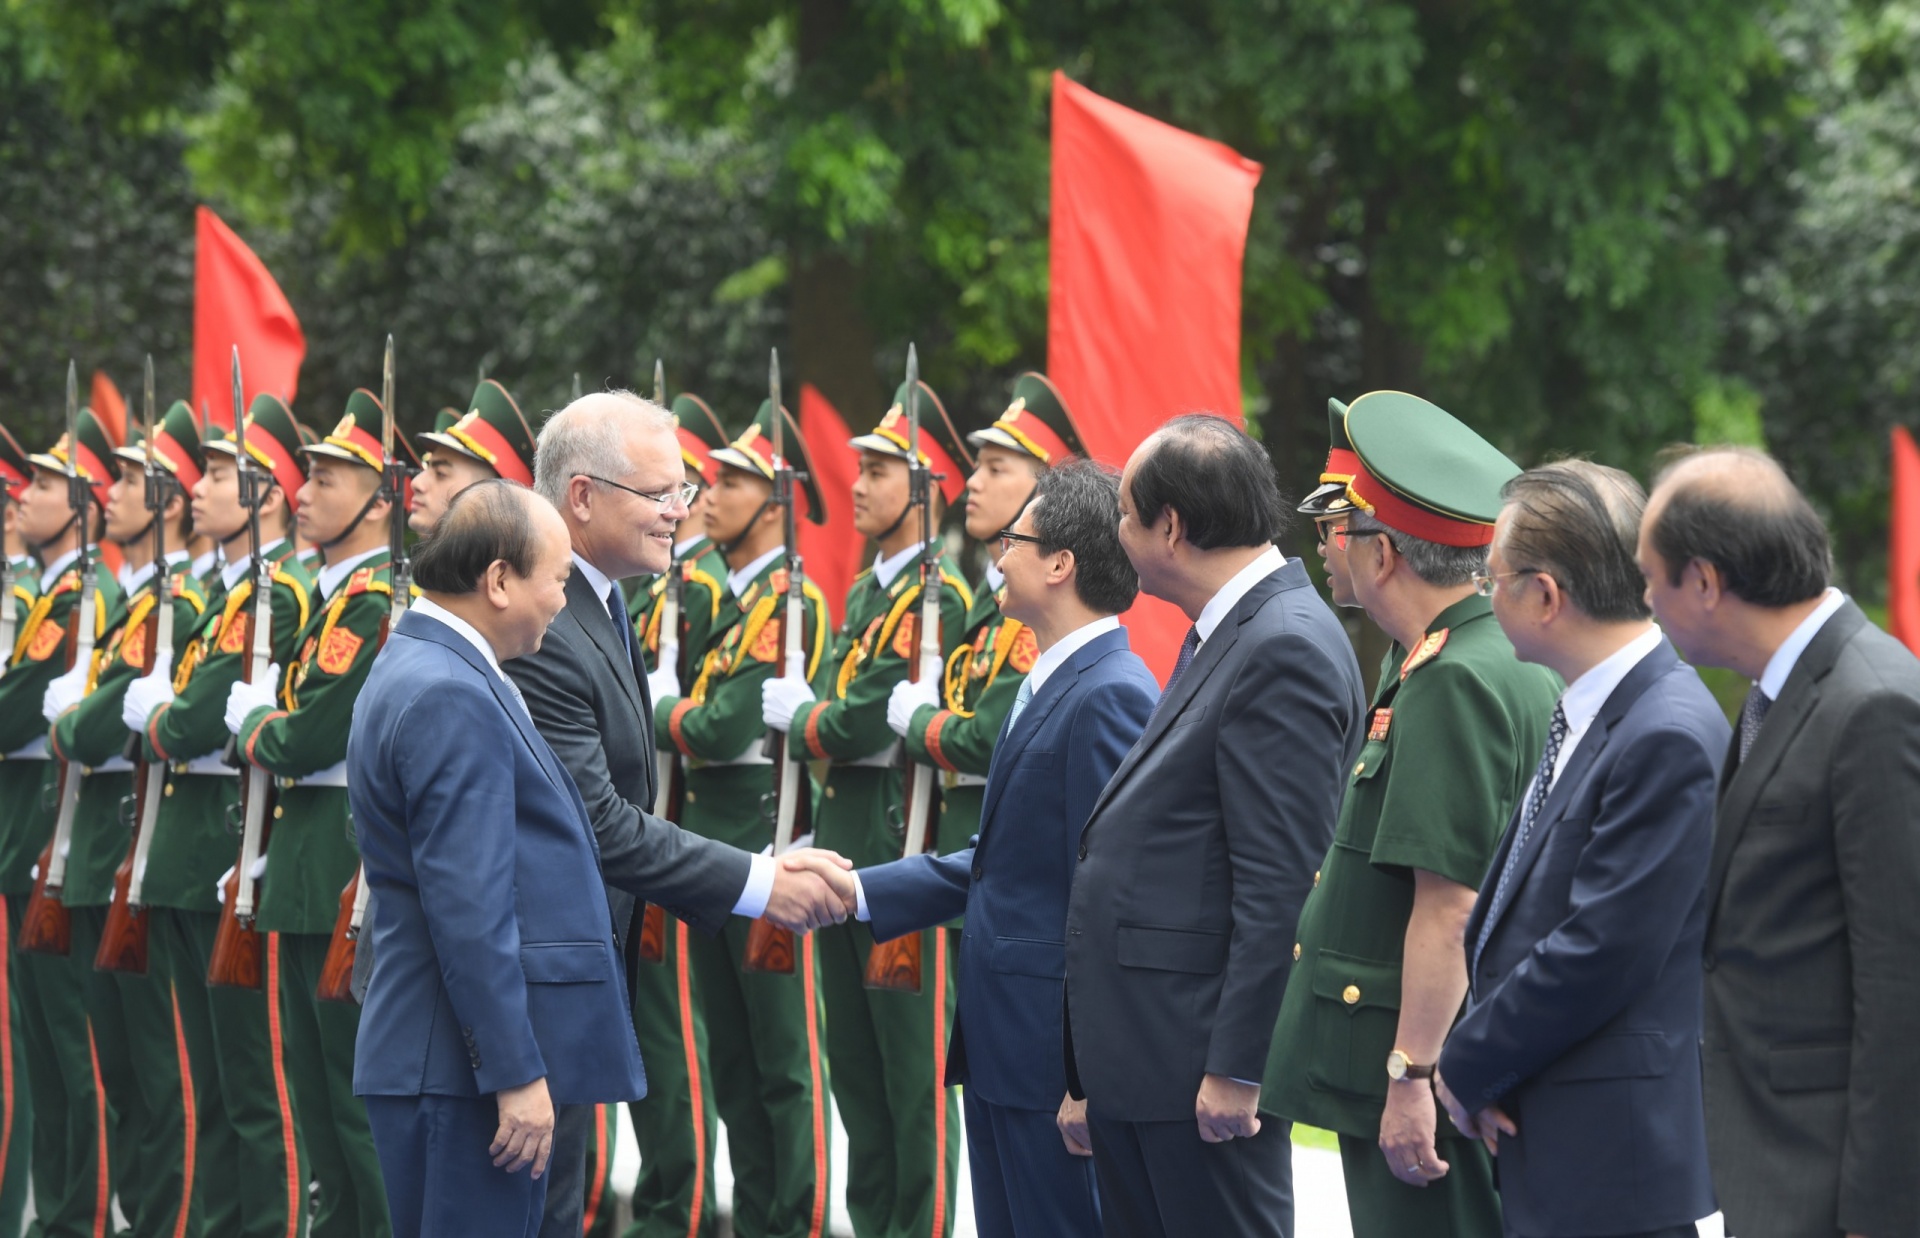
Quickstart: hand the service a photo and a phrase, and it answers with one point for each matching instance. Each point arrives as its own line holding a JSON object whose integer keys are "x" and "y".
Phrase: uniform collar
{"x": 233, "y": 573}
{"x": 887, "y": 570}
{"x": 689, "y": 548}
{"x": 739, "y": 582}
{"x": 333, "y": 575}
{"x": 60, "y": 565}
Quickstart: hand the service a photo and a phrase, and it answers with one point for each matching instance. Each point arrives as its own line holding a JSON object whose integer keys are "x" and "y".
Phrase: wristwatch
{"x": 1400, "y": 1067}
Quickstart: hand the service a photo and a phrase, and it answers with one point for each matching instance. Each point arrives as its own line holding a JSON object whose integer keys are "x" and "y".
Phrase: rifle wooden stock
{"x": 336, "y": 973}
{"x": 46, "y": 927}
{"x": 895, "y": 965}
{"x": 770, "y": 948}
{"x": 652, "y": 946}
{"x": 123, "y": 942}
{"x": 235, "y": 963}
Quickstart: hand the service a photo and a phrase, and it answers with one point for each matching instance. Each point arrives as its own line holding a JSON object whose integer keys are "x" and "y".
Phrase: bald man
{"x": 1812, "y": 954}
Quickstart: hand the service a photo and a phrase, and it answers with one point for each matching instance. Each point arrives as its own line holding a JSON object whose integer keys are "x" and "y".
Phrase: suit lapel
{"x": 1015, "y": 735}
{"x": 1741, "y": 784}
{"x": 424, "y": 627}
{"x": 591, "y": 613}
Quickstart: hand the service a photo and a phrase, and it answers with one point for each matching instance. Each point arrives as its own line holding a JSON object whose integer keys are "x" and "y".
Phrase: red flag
{"x": 832, "y": 550}
{"x": 1149, "y": 233}
{"x": 1903, "y": 542}
{"x": 237, "y": 302}
{"x": 109, "y": 408}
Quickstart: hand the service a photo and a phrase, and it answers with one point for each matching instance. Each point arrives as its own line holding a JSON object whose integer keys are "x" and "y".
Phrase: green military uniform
{"x": 71, "y": 1183}
{"x": 984, "y": 673}
{"x": 1453, "y": 736}
{"x": 250, "y": 1172}
{"x": 765, "y": 1028}
{"x": 492, "y": 432}
{"x": 20, "y": 787}
{"x": 888, "y": 1048}
{"x": 676, "y": 1125}
{"x": 302, "y": 741}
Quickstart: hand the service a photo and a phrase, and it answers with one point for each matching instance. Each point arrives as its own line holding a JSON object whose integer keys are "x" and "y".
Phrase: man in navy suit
{"x": 1081, "y": 708}
{"x": 496, "y": 991}
{"x": 1578, "y": 1057}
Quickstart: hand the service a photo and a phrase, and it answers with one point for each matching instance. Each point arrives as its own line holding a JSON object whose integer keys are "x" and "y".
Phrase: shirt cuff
{"x": 753, "y": 899}
{"x": 860, "y": 911}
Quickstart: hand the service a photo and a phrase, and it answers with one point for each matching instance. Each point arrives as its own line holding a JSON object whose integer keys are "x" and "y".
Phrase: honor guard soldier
{"x": 20, "y": 792}
{"x": 1453, "y": 735}
{"x": 491, "y": 439}
{"x": 953, "y": 725}
{"x": 887, "y": 1047}
{"x": 250, "y": 1168}
{"x": 763, "y": 1023}
{"x": 136, "y": 1040}
{"x": 70, "y": 1177}
{"x": 299, "y": 735}
{"x": 675, "y": 1125}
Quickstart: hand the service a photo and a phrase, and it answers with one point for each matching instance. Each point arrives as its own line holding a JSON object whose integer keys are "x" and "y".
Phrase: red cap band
{"x": 1390, "y": 509}
{"x": 490, "y": 445}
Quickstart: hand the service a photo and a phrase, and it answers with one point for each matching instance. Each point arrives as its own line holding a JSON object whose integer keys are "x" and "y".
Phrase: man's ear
{"x": 1176, "y": 530}
{"x": 1705, "y": 581}
{"x": 494, "y": 584}
{"x": 578, "y": 488}
{"x": 1061, "y": 569}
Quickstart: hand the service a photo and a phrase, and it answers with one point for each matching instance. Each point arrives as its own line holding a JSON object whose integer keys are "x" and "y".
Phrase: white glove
{"x": 781, "y": 699}
{"x": 146, "y": 694}
{"x": 908, "y": 697}
{"x": 246, "y": 697}
{"x": 220, "y": 886}
{"x": 259, "y": 868}
{"x": 64, "y": 693}
{"x": 663, "y": 683}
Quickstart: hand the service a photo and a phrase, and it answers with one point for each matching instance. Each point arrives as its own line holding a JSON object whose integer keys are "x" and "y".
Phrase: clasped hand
{"x": 812, "y": 888}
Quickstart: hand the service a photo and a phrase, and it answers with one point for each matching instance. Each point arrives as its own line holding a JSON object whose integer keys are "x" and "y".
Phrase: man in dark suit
{"x": 483, "y": 1011}
{"x": 1577, "y": 1058}
{"x": 1196, "y": 857}
{"x": 611, "y": 464}
{"x": 1812, "y": 989}
{"x": 1077, "y": 713}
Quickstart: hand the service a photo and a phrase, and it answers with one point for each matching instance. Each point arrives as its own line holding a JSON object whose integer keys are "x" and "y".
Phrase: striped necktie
{"x": 1536, "y": 800}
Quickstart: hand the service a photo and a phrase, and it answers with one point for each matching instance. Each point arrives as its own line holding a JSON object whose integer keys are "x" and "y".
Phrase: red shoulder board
{"x": 359, "y": 582}
{"x": 234, "y": 639}
{"x": 777, "y": 582}
{"x": 1025, "y": 651}
{"x": 66, "y": 584}
{"x": 1424, "y": 652}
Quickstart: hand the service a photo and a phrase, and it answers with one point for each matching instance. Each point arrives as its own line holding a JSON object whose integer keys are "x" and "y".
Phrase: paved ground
{"x": 1320, "y": 1204}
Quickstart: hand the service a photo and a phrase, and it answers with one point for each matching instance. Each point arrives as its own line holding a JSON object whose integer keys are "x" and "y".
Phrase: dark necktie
{"x": 1752, "y": 714}
{"x": 618, "y": 613}
{"x": 1536, "y": 800}
{"x": 1187, "y": 649}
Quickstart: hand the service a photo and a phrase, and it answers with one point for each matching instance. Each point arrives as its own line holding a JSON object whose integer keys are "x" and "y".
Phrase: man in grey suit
{"x": 611, "y": 464}
{"x": 1812, "y": 954}
{"x": 1200, "y": 850}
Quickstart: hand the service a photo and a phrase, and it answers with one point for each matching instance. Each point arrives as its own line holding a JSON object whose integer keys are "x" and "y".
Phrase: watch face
{"x": 1396, "y": 1065}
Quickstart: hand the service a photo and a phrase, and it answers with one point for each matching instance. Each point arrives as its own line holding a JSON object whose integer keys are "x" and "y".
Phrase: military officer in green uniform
{"x": 952, "y": 726}
{"x": 299, "y": 735}
{"x": 20, "y": 789}
{"x": 250, "y": 1173}
{"x": 70, "y": 1182}
{"x": 491, "y": 439}
{"x": 765, "y": 1035}
{"x": 136, "y": 1040}
{"x": 676, "y": 1124}
{"x": 1379, "y": 973}
{"x": 887, "y": 1047}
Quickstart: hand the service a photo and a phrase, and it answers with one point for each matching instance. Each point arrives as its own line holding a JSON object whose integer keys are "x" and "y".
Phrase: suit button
{"x": 829, "y": 792}
{"x": 1316, "y": 878}
{"x": 1708, "y": 961}
{"x": 1351, "y": 994}
{"x": 691, "y": 797}
{"x": 1296, "y": 952}
{"x": 976, "y": 872}
{"x": 1083, "y": 851}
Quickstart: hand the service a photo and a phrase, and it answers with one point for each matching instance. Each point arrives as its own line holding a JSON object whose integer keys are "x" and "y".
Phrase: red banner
{"x": 109, "y": 408}
{"x": 237, "y": 302}
{"x": 1149, "y": 235}
{"x": 1903, "y": 542}
{"x": 832, "y": 550}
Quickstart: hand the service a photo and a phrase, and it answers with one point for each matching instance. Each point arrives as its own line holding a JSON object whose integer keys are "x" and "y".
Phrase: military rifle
{"x": 47, "y": 927}
{"x": 896, "y": 964}
{"x": 669, "y": 783}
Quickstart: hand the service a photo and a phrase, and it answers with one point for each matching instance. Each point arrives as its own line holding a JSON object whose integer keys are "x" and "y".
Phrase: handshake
{"x": 812, "y": 888}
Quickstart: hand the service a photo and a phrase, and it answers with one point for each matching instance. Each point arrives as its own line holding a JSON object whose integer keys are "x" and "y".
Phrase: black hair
{"x": 1219, "y": 480}
{"x": 1579, "y": 522}
{"x": 1768, "y": 543}
{"x": 1078, "y": 509}
{"x": 486, "y": 523}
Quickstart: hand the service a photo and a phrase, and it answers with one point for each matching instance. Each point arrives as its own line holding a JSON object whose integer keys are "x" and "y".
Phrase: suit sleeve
{"x": 1636, "y": 883}
{"x": 460, "y": 833}
{"x": 1277, "y": 815}
{"x": 916, "y": 892}
{"x": 696, "y": 879}
{"x": 1876, "y": 828}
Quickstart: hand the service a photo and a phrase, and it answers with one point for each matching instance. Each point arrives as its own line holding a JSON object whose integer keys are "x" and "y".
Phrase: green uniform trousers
{"x": 70, "y": 1185}
{"x": 249, "y": 1174}
{"x": 16, "y": 1102}
{"x": 1464, "y": 1204}
{"x": 332, "y": 1121}
{"x": 888, "y": 1049}
{"x": 766, "y": 1042}
{"x": 674, "y": 1125}
{"x": 597, "y": 1214}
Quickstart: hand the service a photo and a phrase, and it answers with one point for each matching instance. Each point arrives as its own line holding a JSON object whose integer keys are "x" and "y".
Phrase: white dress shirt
{"x": 1787, "y": 656}
{"x": 887, "y": 570}
{"x": 466, "y": 631}
{"x": 233, "y": 573}
{"x": 53, "y": 570}
{"x": 753, "y": 899}
{"x": 739, "y": 582}
{"x": 1582, "y": 700}
{"x": 1222, "y": 603}
{"x": 204, "y": 564}
{"x": 333, "y": 575}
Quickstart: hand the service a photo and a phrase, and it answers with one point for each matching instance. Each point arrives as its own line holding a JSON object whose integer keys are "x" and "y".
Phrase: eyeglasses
{"x": 1483, "y": 582}
{"x": 1324, "y": 529}
{"x": 1342, "y": 535}
{"x": 685, "y": 493}
{"x": 1008, "y": 537}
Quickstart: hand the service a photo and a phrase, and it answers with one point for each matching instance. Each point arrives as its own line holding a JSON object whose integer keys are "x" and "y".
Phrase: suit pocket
{"x": 1809, "y": 1068}
{"x": 565, "y": 962}
{"x": 1356, "y": 1012}
{"x": 1201, "y": 952}
{"x": 1023, "y": 956}
{"x": 1770, "y": 816}
{"x": 1624, "y": 1055}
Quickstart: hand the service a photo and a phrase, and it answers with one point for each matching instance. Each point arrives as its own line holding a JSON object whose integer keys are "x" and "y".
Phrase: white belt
{"x": 332, "y": 776}
{"x": 749, "y": 757}
{"x": 35, "y": 751}
{"x": 112, "y": 765}
{"x": 208, "y": 763}
{"x": 966, "y": 780}
{"x": 888, "y": 756}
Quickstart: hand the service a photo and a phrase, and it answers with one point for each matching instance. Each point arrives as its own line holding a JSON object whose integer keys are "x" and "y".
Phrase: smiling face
{"x": 533, "y": 601}
{"x": 997, "y": 489}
